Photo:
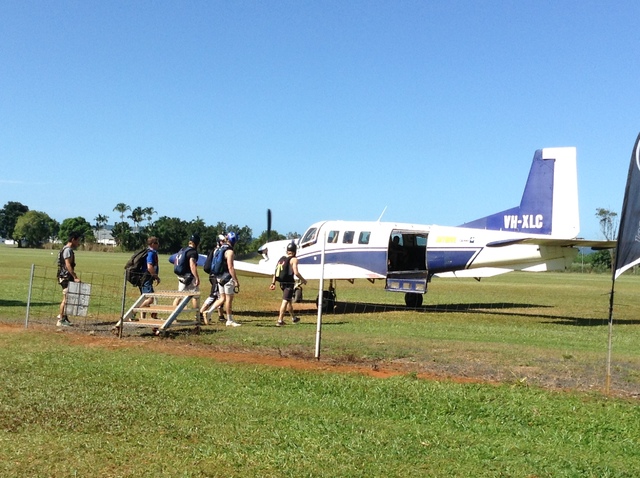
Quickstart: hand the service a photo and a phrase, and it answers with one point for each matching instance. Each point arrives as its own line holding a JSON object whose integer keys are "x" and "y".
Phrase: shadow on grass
{"x": 497, "y": 308}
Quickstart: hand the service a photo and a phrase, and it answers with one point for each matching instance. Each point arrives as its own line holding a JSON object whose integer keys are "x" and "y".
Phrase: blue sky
{"x": 316, "y": 110}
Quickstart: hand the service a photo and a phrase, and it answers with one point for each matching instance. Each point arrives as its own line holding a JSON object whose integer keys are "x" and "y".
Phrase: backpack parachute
{"x": 181, "y": 265}
{"x": 282, "y": 270}
{"x": 217, "y": 261}
{"x": 207, "y": 263}
{"x": 136, "y": 267}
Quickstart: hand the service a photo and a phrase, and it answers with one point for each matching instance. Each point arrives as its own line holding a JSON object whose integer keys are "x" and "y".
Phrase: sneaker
{"x": 295, "y": 320}
{"x": 221, "y": 318}
{"x": 233, "y": 323}
{"x": 63, "y": 322}
{"x": 280, "y": 323}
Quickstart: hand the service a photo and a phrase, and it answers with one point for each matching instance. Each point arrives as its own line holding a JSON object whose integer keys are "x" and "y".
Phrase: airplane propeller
{"x": 268, "y": 224}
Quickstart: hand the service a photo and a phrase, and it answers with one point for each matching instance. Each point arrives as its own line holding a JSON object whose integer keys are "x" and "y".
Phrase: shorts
{"x": 215, "y": 293}
{"x": 146, "y": 287}
{"x": 64, "y": 283}
{"x": 287, "y": 291}
{"x": 191, "y": 287}
{"x": 228, "y": 288}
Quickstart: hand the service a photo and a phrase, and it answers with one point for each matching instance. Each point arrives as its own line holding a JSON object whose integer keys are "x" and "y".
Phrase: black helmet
{"x": 292, "y": 247}
{"x": 195, "y": 238}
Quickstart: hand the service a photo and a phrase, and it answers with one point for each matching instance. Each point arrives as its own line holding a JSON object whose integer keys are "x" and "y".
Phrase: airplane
{"x": 538, "y": 235}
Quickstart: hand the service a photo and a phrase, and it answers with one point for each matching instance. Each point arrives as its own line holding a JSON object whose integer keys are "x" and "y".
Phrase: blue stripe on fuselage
{"x": 444, "y": 260}
{"x": 375, "y": 260}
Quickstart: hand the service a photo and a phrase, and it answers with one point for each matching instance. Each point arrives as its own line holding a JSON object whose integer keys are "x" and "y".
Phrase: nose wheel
{"x": 413, "y": 300}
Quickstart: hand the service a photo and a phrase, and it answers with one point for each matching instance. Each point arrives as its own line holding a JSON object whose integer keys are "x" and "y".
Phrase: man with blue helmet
{"x": 228, "y": 281}
{"x": 206, "y": 310}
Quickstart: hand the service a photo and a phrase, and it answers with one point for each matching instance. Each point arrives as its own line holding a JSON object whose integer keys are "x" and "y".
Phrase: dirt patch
{"x": 376, "y": 369}
{"x": 468, "y": 369}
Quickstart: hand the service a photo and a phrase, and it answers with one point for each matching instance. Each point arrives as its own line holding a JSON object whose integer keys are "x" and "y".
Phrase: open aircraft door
{"x": 407, "y": 265}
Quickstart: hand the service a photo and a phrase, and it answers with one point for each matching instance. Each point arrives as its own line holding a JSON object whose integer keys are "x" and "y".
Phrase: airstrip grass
{"x": 71, "y": 410}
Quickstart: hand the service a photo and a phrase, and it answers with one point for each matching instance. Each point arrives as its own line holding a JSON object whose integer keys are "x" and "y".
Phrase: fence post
{"x": 26, "y": 319}
{"x": 124, "y": 298}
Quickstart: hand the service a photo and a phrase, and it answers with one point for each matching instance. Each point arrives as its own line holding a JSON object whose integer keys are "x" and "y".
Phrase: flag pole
{"x": 627, "y": 252}
{"x": 607, "y": 384}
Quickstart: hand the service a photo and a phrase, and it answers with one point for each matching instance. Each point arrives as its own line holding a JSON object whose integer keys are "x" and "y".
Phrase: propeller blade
{"x": 268, "y": 225}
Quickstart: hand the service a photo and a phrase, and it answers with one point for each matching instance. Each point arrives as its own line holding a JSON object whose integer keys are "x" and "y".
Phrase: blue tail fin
{"x": 549, "y": 203}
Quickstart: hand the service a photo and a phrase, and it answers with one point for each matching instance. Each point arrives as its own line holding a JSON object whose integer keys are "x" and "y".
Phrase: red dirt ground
{"x": 377, "y": 371}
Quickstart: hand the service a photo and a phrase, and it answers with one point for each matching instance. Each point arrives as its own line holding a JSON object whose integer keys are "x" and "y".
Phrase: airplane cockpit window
{"x": 332, "y": 237}
{"x": 364, "y": 237}
{"x": 309, "y": 237}
{"x": 347, "y": 238}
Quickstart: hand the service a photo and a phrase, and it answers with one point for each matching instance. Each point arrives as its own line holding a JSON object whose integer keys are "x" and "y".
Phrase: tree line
{"x": 31, "y": 228}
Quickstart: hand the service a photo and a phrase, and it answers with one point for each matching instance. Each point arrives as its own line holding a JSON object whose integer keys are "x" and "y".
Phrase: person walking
{"x": 289, "y": 265}
{"x": 206, "y": 310}
{"x": 189, "y": 281}
{"x": 67, "y": 273}
{"x": 228, "y": 283}
{"x": 151, "y": 274}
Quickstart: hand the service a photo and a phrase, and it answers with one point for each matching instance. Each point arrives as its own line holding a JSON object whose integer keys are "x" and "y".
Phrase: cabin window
{"x": 348, "y": 237}
{"x": 332, "y": 237}
{"x": 364, "y": 237}
{"x": 309, "y": 237}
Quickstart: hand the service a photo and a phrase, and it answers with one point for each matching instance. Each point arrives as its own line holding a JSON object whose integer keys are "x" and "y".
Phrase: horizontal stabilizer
{"x": 474, "y": 273}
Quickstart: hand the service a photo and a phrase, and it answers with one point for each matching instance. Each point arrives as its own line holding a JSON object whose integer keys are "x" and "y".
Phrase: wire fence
{"x": 105, "y": 301}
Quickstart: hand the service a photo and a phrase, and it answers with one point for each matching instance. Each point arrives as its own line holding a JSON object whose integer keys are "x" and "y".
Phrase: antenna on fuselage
{"x": 383, "y": 211}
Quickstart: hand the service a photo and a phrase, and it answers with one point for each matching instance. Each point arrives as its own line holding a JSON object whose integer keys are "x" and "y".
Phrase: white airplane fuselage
{"x": 538, "y": 235}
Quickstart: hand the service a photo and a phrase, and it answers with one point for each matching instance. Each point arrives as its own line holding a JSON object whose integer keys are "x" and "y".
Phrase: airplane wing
{"x": 201, "y": 258}
{"x": 596, "y": 245}
{"x": 331, "y": 271}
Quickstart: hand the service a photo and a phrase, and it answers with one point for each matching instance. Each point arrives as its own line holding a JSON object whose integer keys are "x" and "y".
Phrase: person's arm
{"x": 294, "y": 266}
{"x": 70, "y": 268}
{"x": 194, "y": 270}
{"x": 151, "y": 269}
{"x": 273, "y": 282}
{"x": 230, "y": 261}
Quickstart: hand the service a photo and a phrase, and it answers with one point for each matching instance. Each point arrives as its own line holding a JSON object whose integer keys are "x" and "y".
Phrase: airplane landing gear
{"x": 413, "y": 300}
{"x": 328, "y": 299}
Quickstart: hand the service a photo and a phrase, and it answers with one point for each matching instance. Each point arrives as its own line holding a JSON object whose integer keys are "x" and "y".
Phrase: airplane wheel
{"x": 297, "y": 295}
{"x": 328, "y": 301}
{"x": 413, "y": 300}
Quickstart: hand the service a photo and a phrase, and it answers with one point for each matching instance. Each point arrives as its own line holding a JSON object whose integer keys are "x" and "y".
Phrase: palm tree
{"x": 122, "y": 208}
{"x": 101, "y": 221}
{"x": 148, "y": 213}
{"x": 136, "y": 216}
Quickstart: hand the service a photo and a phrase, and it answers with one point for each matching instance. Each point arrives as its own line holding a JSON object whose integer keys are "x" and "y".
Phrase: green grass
{"x": 73, "y": 410}
{"x": 76, "y": 411}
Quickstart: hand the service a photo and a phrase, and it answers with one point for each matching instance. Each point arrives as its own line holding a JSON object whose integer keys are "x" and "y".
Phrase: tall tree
{"x": 34, "y": 228}
{"x": 76, "y": 224}
{"x": 101, "y": 221}
{"x": 9, "y": 214}
{"x": 608, "y": 221}
{"x": 171, "y": 231}
{"x": 122, "y": 208}
{"x": 148, "y": 213}
{"x": 137, "y": 215}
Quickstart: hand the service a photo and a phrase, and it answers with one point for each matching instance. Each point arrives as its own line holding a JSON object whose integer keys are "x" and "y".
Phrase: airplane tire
{"x": 328, "y": 301}
{"x": 413, "y": 300}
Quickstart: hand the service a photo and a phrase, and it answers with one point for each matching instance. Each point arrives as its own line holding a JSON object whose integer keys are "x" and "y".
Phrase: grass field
{"x": 76, "y": 404}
